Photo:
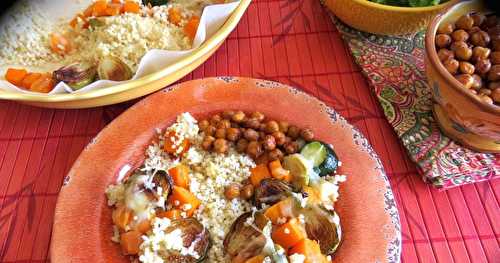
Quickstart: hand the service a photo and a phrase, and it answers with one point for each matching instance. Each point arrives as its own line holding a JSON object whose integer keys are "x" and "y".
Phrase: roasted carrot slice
{"x": 191, "y": 27}
{"x": 174, "y": 16}
{"x": 15, "y": 76}
{"x": 170, "y": 145}
{"x": 121, "y": 216}
{"x": 278, "y": 172}
{"x": 256, "y": 259}
{"x": 29, "y": 79}
{"x": 289, "y": 234}
{"x": 283, "y": 210}
{"x": 44, "y": 84}
{"x": 310, "y": 249}
{"x": 144, "y": 226}
{"x": 59, "y": 43}
{"x": 180, "y": 175}
{"x": 99, "y": 8}
{"x": 113, "y": 9}
{"x": 184, "y": 200}
{"x": 172, "y": 214}
{"x": 259, "y": 173}
{"x": 130, "y": 242}
{"x": 131, "y": 7}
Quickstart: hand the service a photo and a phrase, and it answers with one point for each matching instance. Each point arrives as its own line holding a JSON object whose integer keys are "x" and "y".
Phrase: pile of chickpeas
{"x": 470, "y": 50}
{"x": 261, "y": 138}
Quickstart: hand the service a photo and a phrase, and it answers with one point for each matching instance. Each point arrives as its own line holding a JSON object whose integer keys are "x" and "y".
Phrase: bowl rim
{"x": 404, "y": 9}
{"x": 431, "y": 52}
{"x": 204, "y": 48}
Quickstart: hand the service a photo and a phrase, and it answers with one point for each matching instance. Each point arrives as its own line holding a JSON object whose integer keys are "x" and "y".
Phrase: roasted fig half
{"x": 271, "y": 191}
{"x": 193, "y": 234}
{"x": 323, "y": 226}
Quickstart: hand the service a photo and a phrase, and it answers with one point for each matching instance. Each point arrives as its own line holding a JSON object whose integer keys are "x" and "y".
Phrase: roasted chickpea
{"x": 276, "y": 154}
{"x": 227, "y": 114}
{"x": 207, "y": 142}
{"x": 293, "y": 132}
{"x": 484, "y": 91}
{"x": 495, "y": 95}
{"x": 465, "y": 22}
{"x": 495, "y": 57}
{"x": 272, "y": 126}
{"x": 224, "y": 124}
{"x": 262, "y": 127}
{"x": 458, "y": 35}
{"x": 494, "y": 73}
{"x": 220, "y": 133}
{"x": 478, "y": 18}
{"x": 210, "y": 130}
{"x": 478, "y": 82}
{"x": 480, "y": 38}
{"x": 483, "y": 66}
{"x": 233, "y": 134}
{"x": 462, "y": 50}
{"x": 445, "y": 54}
{"x": 246, "y": 192}
{"x": 251, "y": 135}
{"x": 279, "y": 137}
{"x": 480, "y": 53}
{"x": 252, "y": 123}
{"x": 451, "y": 66}
{"x": 215, "y": 119}
{"x": 269, "y": 142}
{"x": 443, "y": 40}
{"x": 486, "y": 99}
{"x": 258, "y": 116}
{"x": 466, "y": 80}
{"x": 232, "y": 191}
{"x": 446, "y": 28}
{"x": 307, "y": 134}
{"x": 238, "y": 117}
{"x": 466, "y": 67}
{"x": 283, "y": 126}
{"x": 203, "y": 124}
{"x": 221, "y": 146}
{"x": 288, "y": 139}
{"x": 241, "y": 145}
{"x": 254, "y": 149}
{"x": 473, "y": 30}
{"x": 291, "y": 147}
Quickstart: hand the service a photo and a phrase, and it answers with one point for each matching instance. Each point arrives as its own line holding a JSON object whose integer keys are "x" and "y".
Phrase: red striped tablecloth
{"x": 296, "y": 44}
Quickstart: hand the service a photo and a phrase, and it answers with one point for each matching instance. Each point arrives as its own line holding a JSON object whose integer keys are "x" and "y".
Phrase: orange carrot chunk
{"x": 289, "y": 234}
{"x": 174, "y": 16}
{"x": 259, "y": 173}
{"x": 29, "y": 79}
{"x": 99, "y": 8}
{"x": 172, "y": 146}
{"x": 281, "y": 211}
{"x": 15, "y": 76}
{"x": 131, "y": 7}
{"x": 180, "y": 175}
{"x": 59, "y": 43}
{"x": 191, "y": 27}
{"x": 256, "y": 259}
{"x": 121, "y": 216}
{"x": 130, "y": 242}
{"x": 144, "y": 226}
{"x": 171, "y": 214}
{"x": 44, "y": 84}
{"x": 184, "y": 200}
{"x": 113, "y": 9}
{"x": 310, "y": 249}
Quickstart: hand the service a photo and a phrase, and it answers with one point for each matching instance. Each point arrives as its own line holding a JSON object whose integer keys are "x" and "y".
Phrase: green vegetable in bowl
{"x": 409, "y": 3}
{"x": 324, "y": 159}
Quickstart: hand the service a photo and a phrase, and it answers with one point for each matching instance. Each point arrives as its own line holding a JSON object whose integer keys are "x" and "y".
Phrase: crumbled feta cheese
{"x": 297, "y": 258}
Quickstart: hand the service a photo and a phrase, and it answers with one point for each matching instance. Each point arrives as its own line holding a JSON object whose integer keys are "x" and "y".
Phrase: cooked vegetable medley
{"x": 198, "y": 197}
{"x": 410, "y": 3}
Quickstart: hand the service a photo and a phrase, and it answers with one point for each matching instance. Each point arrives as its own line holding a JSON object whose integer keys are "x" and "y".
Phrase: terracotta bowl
{"x": 82, "y": 223}
{"x": 384, "y": 19}
{"x": 461, "y": 115}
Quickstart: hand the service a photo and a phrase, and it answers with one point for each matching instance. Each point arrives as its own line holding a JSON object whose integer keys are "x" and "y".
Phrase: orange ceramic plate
{"x": 82, "y": 225}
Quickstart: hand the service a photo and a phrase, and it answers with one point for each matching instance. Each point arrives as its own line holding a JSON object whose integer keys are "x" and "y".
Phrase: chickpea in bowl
{"x": 463, "y": 70}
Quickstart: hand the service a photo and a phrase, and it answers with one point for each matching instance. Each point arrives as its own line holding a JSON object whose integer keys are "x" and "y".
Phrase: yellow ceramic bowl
{"x": 384, "y": 19}
{"x": 139, "y": 87}
{"x": 461, "y": 115}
